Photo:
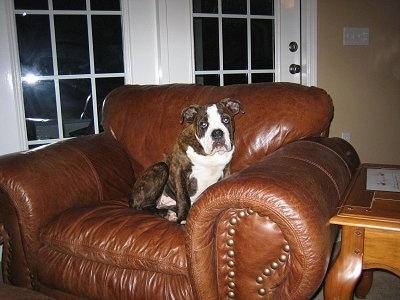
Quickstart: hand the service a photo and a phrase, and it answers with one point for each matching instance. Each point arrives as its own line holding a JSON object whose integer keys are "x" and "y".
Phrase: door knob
{"x": 293, "y": 69}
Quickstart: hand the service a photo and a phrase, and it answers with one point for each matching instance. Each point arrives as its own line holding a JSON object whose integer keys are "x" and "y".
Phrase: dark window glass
{"x": 30, "y": 4}
{"x": 262, "y": 44}
{"x": 205, "y": 6}
{"x": 40, "y": 109}
{"x": 30, "y": 147}
{"x": 208, "y": 79}
{"x": 234, "y": 43}
{"x": 72, "y": 44}
{"x": 69, "y": 5}
{"x": 103, "y": 87}
{"x": 234, "y": 6}
{"x": 107, "y": 44}
{"x": 262, "y": 77}
{"x": 105, "y": 5}
{"x": 206, "y": 44}
{"x": 235, "y": 79}
{"x": 76, "y": 107}
{"x": 262, "y": 7}
{"x": 34, "y": 44}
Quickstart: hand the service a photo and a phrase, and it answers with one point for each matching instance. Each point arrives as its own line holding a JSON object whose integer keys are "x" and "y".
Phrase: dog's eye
{"x": 203, "y": 125}
{"x": 225, "y": 120}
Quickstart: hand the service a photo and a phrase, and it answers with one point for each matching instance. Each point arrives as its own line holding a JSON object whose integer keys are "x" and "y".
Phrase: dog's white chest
{"x": 207, "y": 169}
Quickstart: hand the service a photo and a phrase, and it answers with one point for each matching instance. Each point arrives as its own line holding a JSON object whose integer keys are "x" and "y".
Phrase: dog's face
{"x": 213, "y": 124}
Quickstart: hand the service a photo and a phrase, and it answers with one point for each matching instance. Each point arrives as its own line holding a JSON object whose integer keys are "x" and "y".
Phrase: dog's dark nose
{"x": 217, "y": 134}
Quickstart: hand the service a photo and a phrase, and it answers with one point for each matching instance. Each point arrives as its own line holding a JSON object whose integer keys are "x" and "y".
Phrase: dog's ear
{"x": 233, "y": 105}
{"x": 189, "y": 113}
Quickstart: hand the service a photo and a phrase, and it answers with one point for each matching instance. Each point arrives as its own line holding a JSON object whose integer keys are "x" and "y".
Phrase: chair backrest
{"x": 145, "y": 119}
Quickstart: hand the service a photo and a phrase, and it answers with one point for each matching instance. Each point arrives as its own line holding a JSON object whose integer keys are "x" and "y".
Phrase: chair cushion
{"x": 116, "y": 235}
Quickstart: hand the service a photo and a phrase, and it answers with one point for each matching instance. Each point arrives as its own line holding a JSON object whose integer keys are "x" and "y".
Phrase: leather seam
{"x": 319, "y": 167}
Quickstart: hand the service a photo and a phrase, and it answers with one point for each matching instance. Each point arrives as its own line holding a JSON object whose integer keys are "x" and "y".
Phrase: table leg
{"x": 345, "y": 272}
{"x": 365, "y": 284}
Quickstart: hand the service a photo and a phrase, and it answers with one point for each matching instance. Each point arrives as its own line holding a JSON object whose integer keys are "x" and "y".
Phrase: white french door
{"x": 246, "y": 41}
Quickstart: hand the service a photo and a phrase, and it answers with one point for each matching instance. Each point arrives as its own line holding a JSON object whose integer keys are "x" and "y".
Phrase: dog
{"x": 199, "y": 158}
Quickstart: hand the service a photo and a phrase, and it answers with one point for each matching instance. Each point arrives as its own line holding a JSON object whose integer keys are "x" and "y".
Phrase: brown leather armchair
{"x": 262, "y": 233}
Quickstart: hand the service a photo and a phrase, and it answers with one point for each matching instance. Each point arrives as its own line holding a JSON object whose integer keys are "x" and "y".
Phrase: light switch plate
{"x": 353, "y": 36}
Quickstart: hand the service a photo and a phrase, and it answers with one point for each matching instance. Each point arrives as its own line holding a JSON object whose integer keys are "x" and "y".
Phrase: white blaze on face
{"x": 214, "y": 123}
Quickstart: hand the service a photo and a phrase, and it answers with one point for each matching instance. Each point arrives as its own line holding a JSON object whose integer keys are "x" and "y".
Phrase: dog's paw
{"x": 171, "y": 216}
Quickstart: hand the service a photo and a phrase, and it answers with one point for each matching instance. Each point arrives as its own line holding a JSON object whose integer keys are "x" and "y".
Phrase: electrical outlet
{"x": 346, "y": 136}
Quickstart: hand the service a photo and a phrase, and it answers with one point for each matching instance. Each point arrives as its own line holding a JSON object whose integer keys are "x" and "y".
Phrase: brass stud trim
{"x": 283, "y": 258}
{"x": 233, "y": 221}
{"x": 262, "y": 291}
{"x": 274, "y": 265}
{"x": 231, "y": 274}
{"x": 231, "y": 253}
{"x": 231, "y": 263}
{"x": 266, "y": 272}
{"x": 259, "y": 279}
{"x": 242, "y": 214}
{"x": 231, "y": 231}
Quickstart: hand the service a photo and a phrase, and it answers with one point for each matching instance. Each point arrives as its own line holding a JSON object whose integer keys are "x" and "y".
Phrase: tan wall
{"x": 364, "y": 81}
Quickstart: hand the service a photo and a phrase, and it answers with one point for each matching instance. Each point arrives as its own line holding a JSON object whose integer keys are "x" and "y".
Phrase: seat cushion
{"x": 117, "y": 235}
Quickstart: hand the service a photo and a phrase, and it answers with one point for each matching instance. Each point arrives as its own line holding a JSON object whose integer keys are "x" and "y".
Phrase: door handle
{"x": 294, "y": 68}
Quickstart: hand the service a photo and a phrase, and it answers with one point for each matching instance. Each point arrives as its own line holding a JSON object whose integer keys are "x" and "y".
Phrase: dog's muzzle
{"x": 218, "y": 141}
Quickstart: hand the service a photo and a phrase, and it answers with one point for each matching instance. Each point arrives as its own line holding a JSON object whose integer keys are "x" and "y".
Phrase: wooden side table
{"x": 370, "y": 237}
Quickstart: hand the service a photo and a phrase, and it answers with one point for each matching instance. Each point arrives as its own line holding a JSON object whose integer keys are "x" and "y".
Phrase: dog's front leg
{"x": 183, "y": 202}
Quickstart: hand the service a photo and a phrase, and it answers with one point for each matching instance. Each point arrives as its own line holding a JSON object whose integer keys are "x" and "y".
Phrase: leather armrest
{"x": 266, "y": 228}
{"x": 37, "y": 185}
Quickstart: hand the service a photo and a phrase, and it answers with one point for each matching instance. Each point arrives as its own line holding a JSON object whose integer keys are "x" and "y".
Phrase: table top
{"x": 367, "y": 208}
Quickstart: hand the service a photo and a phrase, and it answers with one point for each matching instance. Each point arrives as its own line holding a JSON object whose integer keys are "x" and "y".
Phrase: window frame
{"x": 56, "y": 77}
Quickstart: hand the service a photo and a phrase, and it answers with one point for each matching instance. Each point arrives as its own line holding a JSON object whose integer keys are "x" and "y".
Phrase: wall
{"x": 364, "y": 81}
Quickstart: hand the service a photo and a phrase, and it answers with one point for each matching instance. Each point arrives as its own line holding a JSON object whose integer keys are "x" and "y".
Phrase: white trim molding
{"x": 309, "y": 41}
{"x": 13, "y": 127}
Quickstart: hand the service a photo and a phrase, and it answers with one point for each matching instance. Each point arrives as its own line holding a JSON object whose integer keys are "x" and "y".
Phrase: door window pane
{"x": 103, "y": 87}
{"x": 69, "y": 5}
{"x": 234, "y": 7}
{"x": 72, "y": 44}
{"x": 29, "y": 4}
{"x": 107, "y": 44}
{"x": 262, "y": 44}
{"x": 34, "y": 44}
{"x": 234, "y": 32}
{"x": 233, "y": 36}
{"x": 105, "y": 5}
{"x": 76, "y": 107}
{"x": 262, "y": 77}
{"x": 235, "y": 79}
{"x": 212, "y": 79}
{"x": 206, "y": 40}
{"x": 262, "y": 7}
{"x": 205, "y": 6}
{"x": 40, "y": 109}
